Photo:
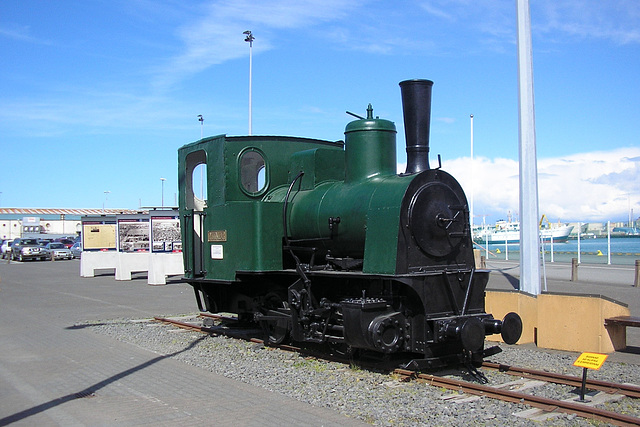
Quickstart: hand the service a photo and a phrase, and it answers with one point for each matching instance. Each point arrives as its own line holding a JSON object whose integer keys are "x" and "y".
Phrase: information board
{"x": 98, "y": 236}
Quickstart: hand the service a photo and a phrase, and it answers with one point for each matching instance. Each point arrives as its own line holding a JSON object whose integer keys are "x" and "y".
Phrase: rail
{"x": 546, "y": 404}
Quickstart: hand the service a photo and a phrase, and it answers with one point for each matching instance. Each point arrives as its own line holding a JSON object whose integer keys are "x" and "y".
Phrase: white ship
{"x": 509, "y": 232}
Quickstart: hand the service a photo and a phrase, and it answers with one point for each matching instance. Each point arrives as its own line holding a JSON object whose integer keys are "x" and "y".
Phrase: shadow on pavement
{"x": 91, "y": 390}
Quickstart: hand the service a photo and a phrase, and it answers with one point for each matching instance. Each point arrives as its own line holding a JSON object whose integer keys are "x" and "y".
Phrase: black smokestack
{"x": 416, "y": 104}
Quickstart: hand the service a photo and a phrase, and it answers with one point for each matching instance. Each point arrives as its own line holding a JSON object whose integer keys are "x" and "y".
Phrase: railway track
{"x": 470, "y": 388}
{"x": 628, "y": 390}
{"x": 546, "y": 404}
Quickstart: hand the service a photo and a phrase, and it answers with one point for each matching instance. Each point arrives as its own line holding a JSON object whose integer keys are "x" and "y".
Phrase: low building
{"x": 46, "y": 223}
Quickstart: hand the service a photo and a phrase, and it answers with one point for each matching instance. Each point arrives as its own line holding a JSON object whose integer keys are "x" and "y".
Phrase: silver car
{"x": 57, "y": 250}
{"x": 76, "y": 249}
{"x": 5, "y": 249}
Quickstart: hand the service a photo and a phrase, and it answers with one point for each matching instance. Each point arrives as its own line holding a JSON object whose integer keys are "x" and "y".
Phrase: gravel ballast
{"x": 376, "y": 398}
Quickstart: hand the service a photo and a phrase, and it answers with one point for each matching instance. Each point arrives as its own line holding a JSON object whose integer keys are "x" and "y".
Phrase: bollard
{"x": 574, "y": 269}
{"x": 483, "y": 263}
{"x": 637, "y": 282}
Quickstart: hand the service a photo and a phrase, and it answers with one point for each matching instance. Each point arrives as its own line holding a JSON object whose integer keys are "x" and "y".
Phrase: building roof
{"x": 71, "y": 212}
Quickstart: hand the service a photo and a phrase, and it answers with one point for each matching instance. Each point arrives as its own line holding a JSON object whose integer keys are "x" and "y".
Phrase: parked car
{"x": 26, "y": 248}
{"x": 57, "y": 250}
{"x": 5, "y": 248}
{"x": 44, "y": 242}
{"x": 76, "y": 249}
{"x": 67, "y": 242}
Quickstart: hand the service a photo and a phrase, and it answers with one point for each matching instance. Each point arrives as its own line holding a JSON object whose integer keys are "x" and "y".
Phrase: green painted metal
{"x": 243, "y": 226}
{"x": 367, "y": 202}
{"x": 253, "y": 239}
{"x": 370, "y": 148}
{"x": 319, "y": 165}
{"x": 250, "y": 221}
{"x": 369, "y": 213}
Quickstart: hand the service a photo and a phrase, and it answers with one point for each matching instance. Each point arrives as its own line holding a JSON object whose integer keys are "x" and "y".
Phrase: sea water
{"x": 617, "y": 250}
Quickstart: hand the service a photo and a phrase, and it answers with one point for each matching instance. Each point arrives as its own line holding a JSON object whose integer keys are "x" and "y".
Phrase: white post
{"x": 506, "y": 249}
{"x": 486, "y": 246}
{"x": 250, "y": 39}
{"x": 105, "y": 199}
{"x": 529, "y": 231}
{"x": 579, "y": 231}
{"x": 608, "y": 242}
{"x": 544, "y": 264}
{"x": 163, "y": 180}
{"x": 472, "y": 177}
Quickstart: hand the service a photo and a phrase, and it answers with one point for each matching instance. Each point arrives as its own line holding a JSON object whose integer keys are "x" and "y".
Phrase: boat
{"x": 509, "y": 232}
{"x": 625, "y": 232}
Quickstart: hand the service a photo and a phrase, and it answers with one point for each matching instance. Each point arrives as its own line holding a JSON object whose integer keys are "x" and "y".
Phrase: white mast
{"x": 529, "y": 232}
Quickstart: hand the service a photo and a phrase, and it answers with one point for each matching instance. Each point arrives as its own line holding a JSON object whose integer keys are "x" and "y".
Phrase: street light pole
{"x": 472, "y": 177}
{"x": 201, "y": 119}
{"x": 163, "y": 180}
{"x": 105, "y": 199}
{"x": 250, "y": 39}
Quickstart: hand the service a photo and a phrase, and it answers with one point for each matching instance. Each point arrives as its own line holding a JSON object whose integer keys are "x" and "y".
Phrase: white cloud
{"x": 593, "y": 187}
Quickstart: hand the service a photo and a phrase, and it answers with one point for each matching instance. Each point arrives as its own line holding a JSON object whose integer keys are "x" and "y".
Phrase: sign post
{"x": 588, "y": 361}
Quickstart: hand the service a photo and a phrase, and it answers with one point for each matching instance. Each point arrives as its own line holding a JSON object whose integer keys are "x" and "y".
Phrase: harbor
{"x": 601, "y": 250}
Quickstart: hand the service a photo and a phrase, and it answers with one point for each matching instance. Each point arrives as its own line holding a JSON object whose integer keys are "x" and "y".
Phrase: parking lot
{"x": 40, "y": 249}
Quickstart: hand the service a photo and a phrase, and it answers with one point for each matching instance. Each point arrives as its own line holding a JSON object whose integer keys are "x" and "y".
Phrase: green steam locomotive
{"x": 324, "y": 243}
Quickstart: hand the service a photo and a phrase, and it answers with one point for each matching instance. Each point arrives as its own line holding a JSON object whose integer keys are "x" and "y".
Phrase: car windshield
{"x": 29, "y": 242}
{"x": 56, "y": 246}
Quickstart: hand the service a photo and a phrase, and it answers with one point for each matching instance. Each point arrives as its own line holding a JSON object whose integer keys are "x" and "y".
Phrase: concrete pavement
{"x": 55, "y": 373}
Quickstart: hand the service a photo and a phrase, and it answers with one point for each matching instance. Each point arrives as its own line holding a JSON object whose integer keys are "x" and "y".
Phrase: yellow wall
{"x": 499, "y": 303}
{"x": 561, "y": 322}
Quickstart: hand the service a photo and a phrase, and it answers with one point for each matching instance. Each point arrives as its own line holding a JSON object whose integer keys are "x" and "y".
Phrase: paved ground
{"x": 53, "y": 373}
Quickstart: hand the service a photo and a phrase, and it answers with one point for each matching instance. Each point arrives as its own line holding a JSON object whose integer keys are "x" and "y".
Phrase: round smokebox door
{"x": 436, "y": 219}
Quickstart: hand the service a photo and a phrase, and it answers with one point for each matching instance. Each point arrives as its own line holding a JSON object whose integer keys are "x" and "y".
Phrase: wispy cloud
{"x": 615, "y": 20}
{"x": 447, "y": 120}
{"x": 217, "y": 36}
{"x": 21, "y": 33}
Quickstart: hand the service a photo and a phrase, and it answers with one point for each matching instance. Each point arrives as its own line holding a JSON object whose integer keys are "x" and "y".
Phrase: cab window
{"x": 253, "y": 172}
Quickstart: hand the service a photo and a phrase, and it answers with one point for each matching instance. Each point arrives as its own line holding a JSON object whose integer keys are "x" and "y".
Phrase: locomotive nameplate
{"x": 217, "y": 236}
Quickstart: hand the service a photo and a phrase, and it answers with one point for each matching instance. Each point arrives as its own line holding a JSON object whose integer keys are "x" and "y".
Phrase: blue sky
{"x": 98, "y": 96}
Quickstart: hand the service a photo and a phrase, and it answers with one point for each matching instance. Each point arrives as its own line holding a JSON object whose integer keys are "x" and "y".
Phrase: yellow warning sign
{"x": 590, "y": 360}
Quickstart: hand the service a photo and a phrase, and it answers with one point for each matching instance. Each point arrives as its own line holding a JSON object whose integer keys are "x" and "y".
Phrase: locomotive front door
{"x": 195, "y": 229}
